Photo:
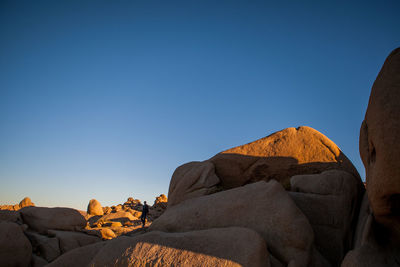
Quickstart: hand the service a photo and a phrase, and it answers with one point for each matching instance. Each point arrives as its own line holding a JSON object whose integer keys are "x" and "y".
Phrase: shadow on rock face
{"x": 380, "y": 146}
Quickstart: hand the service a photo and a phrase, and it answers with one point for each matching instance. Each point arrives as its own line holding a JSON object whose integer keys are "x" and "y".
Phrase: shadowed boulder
{"x": 42, "y": 219}
{"x": 380, "y": 143}
{"x": 263, "y": 207}
{"x": 377, "y": 240}
{"x": 79, "y": 257}
{"x": 15, "y": 249}
{"x": 330, "y": 200}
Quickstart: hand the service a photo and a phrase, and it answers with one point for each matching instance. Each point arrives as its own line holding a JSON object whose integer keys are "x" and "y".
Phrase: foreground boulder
{"x": 280, "y": 156}
{"x": 70, "y": 240}
{"x": 94, "y": 208}
{"x": 263, "y": 207}
{"x": 46, "y": 247}
{"x": 380, "y": 146}
{"x": 330, "y": 201}
{"x": 15, "y": 249}
{"x": 79, "y": 257}
{"x": 378, "y": 232}
{"x": 10, "y": 216}
{"x": 213, "y": 247}
{"x": 42, "y": 219}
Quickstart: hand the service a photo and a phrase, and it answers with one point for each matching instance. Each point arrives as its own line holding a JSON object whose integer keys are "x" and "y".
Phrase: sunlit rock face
{"x": 191, "y": 180}
{"x": 264, "y": 207}
{"x": 380, "y": 143}
{"x": 213, "y": 247}
{"x": 94, "y": 207}
{"x": 279, "y": 156}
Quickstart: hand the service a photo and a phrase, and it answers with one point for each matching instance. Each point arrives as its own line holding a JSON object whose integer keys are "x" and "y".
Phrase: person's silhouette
{"x": 144, "y": 214}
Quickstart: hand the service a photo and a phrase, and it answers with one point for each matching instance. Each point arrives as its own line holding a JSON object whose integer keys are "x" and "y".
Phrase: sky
{"x": 104, "y": 99}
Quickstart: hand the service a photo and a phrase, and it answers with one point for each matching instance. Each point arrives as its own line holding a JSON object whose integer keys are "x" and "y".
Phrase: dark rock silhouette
{"x": 378, "y": 234}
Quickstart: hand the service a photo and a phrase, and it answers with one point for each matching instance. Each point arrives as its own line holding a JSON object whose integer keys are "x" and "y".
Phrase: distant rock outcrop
{"x": 94, "y": 208}
{"x": 26, "y": 202}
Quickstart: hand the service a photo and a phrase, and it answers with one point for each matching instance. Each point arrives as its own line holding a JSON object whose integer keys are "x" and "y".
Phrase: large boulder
{"x": 10, "y": 216}
{"x": 46, "y": 247}
{"x": 330, "y": 200}
{"x": 15, "y": 249}
{"x": 94, "y": 208}
{"x": 42, "y": 219}
{"x": 79, "y": 257}
{"x": 263, "y": 207}
{"x": 377, "y": 239}
{"x": 280, "y": 156}
{"x": 380, "y": 144}
{"x": 192, "y": 179}
{"x": 26, "y": 202}
{"x": 70, "y": 240}
{"x": 212, "y": 247}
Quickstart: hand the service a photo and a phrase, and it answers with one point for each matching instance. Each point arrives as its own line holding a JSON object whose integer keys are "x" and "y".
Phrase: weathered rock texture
{"x": 379, "y": 143}
{"x": 42, "y": 219}
{"x": 15, "y": 249}
{"x": 80, "y": 257}
{"x": 330, "y": 200}
{"x": 46, "y": 247}
{"x": 377, "y": 239}
{"x": 213, "y": 247}
{"x": 94, "y": 207}
{"x": 263, "y": 207}
{"x": 280, "y": 156}
{"x": 70, "y": 240}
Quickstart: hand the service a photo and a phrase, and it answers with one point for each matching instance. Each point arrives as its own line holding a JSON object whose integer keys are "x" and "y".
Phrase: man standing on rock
{"x": 144, "y": 214}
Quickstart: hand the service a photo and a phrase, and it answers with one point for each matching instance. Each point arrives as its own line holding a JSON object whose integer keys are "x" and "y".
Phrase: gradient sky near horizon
{"x": 104, "y": 99}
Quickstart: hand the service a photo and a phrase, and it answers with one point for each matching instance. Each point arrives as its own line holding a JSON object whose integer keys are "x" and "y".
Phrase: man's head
{"x": 145, "y": 202}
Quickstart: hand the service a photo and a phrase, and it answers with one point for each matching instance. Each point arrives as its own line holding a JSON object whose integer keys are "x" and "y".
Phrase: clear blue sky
{"x": 104, "y": 99}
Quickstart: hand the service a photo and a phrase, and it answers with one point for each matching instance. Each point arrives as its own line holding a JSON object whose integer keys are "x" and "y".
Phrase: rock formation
{"x": 378, "y": 233}
{"x": 287, "y": 233}
{"x": 26, "y": 202}
{"x": 36, "y": 236}
{"x": 95, "y": 208}
{"x": 289, "y": 199}
{"x": 280, "y": 156}
{"x": 15, "y": 249}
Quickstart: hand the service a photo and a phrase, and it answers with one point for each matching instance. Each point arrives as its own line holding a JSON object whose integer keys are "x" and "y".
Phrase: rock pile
{"x": 26, "y": 202}
{"x": 36, "y": 236}
{"x": 289, "y": 199}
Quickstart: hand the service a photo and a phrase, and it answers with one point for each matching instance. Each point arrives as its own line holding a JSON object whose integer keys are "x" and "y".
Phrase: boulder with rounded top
{"x": 280, "y": 156}
{"x": 94, "y": 208}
